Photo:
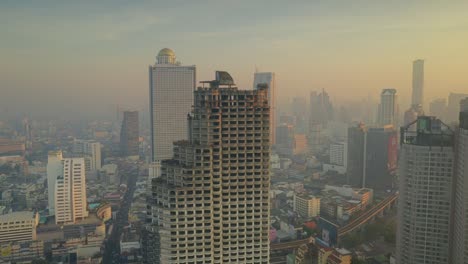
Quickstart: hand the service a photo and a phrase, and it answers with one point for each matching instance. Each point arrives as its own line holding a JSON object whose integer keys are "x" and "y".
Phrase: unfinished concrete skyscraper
{"x": 211, "y": 203}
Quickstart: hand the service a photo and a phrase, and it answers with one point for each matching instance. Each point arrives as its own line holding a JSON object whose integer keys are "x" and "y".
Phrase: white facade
{"x": 171, "y": 99}
{"x": 307, "y": 206}
{"x": 338, "y": 158}
{"x": 70, "y": 192}
{"x": 388, "y": 108}
{"x": 338, "y": 153}
{"x": 269, "y": 79}
{"x": 18, "y": 226}
{"x": 54, "y": 170}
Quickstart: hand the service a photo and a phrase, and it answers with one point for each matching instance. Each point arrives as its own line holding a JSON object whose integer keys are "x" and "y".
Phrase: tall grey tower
{"x": 211, "y": 203}
{"x": 129, "y": 135}
{"x": 171, "y": 96}
{"x": 426, "y": 177}
{"x": 418, "y": 83}
{"x": 460, "y": 247}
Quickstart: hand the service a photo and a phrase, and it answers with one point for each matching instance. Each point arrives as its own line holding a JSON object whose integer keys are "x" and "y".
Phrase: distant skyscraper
{"x": 285, "y": 139}
{"x": 438, "y": 107}
{"x": 381, "y": 158}
{"x": 426, "y": 175}
{"x": 171, "y": 99}
{"x": 70, "y": 192}
{"x": 129, "y": 134}
{"x": 321, "y": 108}
{"x": 212, "y": 201}
{"x": 372, "y": 157}
{"x": 54, "y": 170}
{"x": 321, "y": 112}
{"x": 460, "y": 247}
{"x": 453, "y": 107}
{"x": 356, "y": 149}
{"x": 388, "y": 108}
{"x": 268, "y": 78}
{"x": 412, "y": 114}
{"x": 418, "y": 83}
{"x": 299, "y": 109}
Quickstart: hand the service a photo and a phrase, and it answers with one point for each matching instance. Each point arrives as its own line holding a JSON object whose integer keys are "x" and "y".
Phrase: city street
{"x": 112, "y": 250}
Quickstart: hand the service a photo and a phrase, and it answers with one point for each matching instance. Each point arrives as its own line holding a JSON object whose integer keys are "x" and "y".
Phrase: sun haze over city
{"x": 96, "y": 52}
{"x": 234, "y": 132}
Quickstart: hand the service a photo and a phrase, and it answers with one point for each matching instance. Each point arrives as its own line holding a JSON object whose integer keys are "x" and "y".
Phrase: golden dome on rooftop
{"x": 166, "y": 52}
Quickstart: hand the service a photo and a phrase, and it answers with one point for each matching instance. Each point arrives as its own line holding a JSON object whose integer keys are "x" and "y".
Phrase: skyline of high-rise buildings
{"x": 171, "y": 88}
{"x": 320, "y": 107}
{"x": 212, "y": 156}
{"x": 350, "y": 146}
{"x": 300, "y": 112}
{"x": 320, "y": 114}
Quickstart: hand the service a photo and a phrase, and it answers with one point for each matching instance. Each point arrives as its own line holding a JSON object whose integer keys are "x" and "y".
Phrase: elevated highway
{"x": 351, "y": 226}
{"x": 367, "y": 215}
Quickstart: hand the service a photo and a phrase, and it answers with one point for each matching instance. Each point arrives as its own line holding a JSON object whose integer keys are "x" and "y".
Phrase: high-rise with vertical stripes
{"x": 426, "y": 187}
{"x": 171, "y": 96}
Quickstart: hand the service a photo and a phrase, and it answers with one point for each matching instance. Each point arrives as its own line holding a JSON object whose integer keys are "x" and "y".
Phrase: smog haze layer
{"x": 82, "y": 58}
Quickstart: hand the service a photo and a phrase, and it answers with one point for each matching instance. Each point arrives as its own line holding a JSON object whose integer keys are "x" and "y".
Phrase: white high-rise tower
{"x": 426, "y": 176}
{"x": 66, "y": 184}
{"x": 70, "y": 192}
{"x": 171, "y": 97}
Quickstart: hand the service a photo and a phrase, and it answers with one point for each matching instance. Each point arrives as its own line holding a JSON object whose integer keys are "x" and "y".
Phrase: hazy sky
{"x": 84, "y": 56}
